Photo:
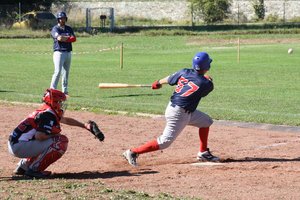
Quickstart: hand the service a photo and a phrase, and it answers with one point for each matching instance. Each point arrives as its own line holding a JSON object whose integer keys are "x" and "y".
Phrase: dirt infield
{"x": 258, "y": 163}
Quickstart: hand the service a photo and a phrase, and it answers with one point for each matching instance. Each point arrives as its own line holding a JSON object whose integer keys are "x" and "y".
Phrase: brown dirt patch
{"x": 259, "y": 164}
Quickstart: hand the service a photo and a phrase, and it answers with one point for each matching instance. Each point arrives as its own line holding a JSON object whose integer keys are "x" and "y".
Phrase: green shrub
{"x": 295, "y": 19}
{"x": 273, "y": 18}
{"x": 259, "y": 9}
{"x": 211, "y": 11}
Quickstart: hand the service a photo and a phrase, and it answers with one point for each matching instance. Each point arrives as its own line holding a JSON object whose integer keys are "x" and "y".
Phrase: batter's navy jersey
{"x": 191, "y": 87}
{"x": 66, "y": 31}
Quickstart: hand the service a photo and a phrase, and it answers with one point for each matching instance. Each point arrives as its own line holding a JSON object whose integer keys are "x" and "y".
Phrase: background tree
{"x": 259, "y": 9}
{"x": 211, "y": 11}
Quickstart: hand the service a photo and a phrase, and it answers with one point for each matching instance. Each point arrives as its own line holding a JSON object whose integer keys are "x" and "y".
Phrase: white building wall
{"x": 179, "y": 10}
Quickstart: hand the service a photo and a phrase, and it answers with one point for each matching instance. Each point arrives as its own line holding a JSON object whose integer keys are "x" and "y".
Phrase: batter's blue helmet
{"x": 201, "y": 61}
{"x": 61, "y": 15}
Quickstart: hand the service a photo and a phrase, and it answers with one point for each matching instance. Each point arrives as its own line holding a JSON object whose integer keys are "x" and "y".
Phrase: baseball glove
{"x": 94, "y": 129}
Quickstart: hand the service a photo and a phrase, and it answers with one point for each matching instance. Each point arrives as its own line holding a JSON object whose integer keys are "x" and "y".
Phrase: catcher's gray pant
{"x": 41, "y": 153}
{"x": 62, "y": 63}
{"x": 26, "y": 149}
{"x": 177, "y": 118}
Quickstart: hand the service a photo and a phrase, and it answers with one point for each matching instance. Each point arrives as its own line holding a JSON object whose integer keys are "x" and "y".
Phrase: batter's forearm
{"x": 164, "y": 80}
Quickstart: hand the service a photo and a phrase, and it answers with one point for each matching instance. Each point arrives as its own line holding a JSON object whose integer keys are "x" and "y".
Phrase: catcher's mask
{"x": 201, "y": 61}
{"x": 56, "y": 100}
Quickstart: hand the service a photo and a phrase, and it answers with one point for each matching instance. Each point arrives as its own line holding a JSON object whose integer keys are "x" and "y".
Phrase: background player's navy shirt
{"x": 191, "y": 87}
{"x": 66, "y": 31}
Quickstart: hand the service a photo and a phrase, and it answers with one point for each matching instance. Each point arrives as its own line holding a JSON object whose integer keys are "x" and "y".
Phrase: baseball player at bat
{"x": 38, "y": 141}
{"x": 191, "y": 86}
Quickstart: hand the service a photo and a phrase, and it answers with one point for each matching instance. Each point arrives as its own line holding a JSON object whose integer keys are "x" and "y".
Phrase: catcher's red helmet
{"x": 55, "y": 99}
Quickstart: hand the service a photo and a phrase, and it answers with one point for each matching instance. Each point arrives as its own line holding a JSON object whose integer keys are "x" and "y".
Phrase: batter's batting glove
{"x": 156, "y": 85}
{"x": 94, "y": 129}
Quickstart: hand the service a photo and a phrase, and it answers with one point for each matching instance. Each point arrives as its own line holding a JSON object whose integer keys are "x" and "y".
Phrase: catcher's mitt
{"x": 94, "y": 129}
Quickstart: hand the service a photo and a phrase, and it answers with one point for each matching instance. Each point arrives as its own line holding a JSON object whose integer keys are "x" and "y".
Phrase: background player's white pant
{"x": 177, "y": 118}
{"x": 62, "y": 63}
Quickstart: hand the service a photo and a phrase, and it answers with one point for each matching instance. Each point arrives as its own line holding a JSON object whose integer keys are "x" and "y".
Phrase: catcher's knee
{"x": 60, "y": 143}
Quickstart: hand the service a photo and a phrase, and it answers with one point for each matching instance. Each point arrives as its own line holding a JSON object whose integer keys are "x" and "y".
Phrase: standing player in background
{"x": 37, "y": 139}
{"x": 192, "y": 85}
{"x": 63, "y": 36}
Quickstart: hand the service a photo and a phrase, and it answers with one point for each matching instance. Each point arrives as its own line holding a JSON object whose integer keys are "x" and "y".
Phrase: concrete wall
{"x": 287, "y": 9}
{"x": 173, "y": 10}
{"x": 178, "y": 10}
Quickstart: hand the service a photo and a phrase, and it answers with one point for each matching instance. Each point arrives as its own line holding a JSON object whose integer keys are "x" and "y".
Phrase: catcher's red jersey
{"x": 43, "y": 120}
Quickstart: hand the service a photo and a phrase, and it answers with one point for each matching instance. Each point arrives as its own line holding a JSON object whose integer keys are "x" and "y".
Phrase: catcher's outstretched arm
{"x": 90, "y": 126}
{"x": 72, "y": 122}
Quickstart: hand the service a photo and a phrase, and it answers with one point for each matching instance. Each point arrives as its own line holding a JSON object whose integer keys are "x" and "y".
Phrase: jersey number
{"x": 182, "y": 82}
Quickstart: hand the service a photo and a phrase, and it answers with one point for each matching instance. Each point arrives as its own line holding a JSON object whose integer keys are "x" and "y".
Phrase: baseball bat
{"x": 120, "y": 85}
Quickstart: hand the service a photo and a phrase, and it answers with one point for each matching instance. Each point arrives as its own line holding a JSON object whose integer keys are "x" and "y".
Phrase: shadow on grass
{"x": 6, "y": 91}
{"x": 132, "y": 95}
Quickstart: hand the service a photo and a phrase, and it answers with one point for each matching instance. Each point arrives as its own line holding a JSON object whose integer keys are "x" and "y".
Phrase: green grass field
{"x": 75, "y": 189}
{"x": 263, "y": 87}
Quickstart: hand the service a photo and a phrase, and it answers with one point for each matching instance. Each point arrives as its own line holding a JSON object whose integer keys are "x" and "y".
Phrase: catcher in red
{"x": 38, "y": 141}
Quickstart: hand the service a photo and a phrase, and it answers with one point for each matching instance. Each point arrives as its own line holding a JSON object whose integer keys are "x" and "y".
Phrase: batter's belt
{"x": 185, "y": 110}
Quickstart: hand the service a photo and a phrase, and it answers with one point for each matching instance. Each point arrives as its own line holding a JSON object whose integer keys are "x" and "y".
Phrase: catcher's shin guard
{"x": 51, "y": 154}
